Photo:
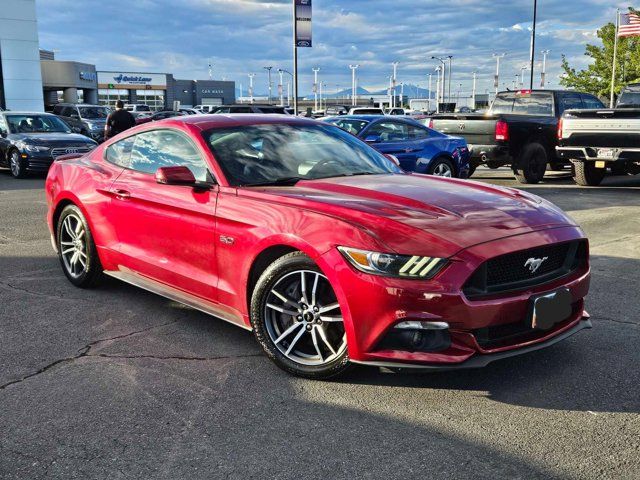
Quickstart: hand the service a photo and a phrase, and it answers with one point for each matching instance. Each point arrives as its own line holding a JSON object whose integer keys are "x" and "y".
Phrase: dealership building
{"x": 20, "y": 76}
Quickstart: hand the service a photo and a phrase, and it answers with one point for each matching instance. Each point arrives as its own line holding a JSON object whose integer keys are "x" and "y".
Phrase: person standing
{"x": 118, "y": 121}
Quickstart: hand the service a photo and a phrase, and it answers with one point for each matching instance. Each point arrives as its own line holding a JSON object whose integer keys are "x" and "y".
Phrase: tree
{"x": 596, "y": 78}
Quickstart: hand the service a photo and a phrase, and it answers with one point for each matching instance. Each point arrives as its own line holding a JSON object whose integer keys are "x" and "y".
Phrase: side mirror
{"x": 175, "y": 176}
{"x": 373, "y": 139}
{"x": 393, "y": 158}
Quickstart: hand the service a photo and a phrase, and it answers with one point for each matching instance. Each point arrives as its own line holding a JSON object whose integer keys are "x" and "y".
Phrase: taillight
{"x": 502, "y": 130}
{"x": 560, "y": 129}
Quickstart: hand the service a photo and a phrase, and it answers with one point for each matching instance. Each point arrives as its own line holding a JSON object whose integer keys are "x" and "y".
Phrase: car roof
{"x": 14, "y": 112}
{"x": 206, "y": 122}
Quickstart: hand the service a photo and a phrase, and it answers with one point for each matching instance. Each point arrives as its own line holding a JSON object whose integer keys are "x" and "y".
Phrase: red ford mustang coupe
{"x": 319, "y": 244}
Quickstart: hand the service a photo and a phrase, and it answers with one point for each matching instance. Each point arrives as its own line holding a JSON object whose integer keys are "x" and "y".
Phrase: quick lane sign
{"x": 303, "y": 23}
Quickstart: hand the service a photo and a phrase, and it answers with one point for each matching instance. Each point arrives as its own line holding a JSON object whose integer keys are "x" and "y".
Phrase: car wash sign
{"x": 303, "y": 23}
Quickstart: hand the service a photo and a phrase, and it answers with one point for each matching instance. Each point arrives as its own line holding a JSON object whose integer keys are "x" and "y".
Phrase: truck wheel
{"x": 472, "y": 168}
{"x": 587, "y": 175}
{"x": 531, "y": 164}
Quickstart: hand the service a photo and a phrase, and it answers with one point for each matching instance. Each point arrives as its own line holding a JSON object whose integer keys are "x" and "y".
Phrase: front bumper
{"x": 480, "y": 361}
{"x": 372, "y": 306}
{"x": 37, "y": 163}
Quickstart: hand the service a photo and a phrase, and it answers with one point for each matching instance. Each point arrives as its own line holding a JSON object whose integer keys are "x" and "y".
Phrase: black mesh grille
{"x": 513, "y": 267}
{"x": 518, "y": 270}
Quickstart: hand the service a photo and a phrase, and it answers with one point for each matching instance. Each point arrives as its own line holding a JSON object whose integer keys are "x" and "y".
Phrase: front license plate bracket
{"x": 550, "y": 308}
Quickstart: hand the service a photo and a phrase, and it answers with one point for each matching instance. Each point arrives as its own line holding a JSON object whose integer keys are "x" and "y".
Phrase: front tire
{"x": 17, "y": 165}
{"x": 531, "y": 165}
{"x": 587, "y": 175}
{"x": 76, "y": 250}
{"x": 297, "y": 320}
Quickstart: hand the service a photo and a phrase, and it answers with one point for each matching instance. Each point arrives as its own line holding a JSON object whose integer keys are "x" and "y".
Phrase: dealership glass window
{"x": 153, "y": 98}
{"x": 109, "y": 97}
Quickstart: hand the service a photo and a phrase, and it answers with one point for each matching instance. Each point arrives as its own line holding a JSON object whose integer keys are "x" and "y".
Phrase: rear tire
{"x": 76, "y": 250}
{"x": 17, "y": 165}
{"x": 531, "y": 164}
{"x": 297, "y": 320}
{"x": 442, "y": 167}
{"x": 587, "y": 175}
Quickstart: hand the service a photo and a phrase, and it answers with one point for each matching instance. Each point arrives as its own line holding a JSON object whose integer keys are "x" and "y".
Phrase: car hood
{"x": 425, "y": 214}
{"x": 49, "y": 139}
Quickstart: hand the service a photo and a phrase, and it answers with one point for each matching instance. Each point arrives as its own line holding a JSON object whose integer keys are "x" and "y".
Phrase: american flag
{"x": 629, "y": 25}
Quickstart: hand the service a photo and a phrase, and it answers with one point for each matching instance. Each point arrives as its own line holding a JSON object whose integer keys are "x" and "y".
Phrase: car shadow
{"x": 32, "y": 182}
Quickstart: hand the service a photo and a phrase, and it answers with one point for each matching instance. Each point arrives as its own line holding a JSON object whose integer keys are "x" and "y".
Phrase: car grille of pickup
{"x": 514, "y": 271}
{"x": 58, "y": 152}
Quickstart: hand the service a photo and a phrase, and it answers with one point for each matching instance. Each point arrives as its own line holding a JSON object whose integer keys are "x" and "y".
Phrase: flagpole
{"x": 615, "y": 54}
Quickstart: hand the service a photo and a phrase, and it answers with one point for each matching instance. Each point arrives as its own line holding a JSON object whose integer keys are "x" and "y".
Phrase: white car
{"x": 366, "y": 111}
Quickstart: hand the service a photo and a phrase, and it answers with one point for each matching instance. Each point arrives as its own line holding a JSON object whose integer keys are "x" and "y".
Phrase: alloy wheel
{"x": 443, "y": 170}
{"x": 73, "y": 245}
{"x": 303, "y": 318}
{"x": 14, "y": 163}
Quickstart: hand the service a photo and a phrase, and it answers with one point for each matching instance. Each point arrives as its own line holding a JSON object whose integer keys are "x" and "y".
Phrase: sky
{"x": 242, "y": 36}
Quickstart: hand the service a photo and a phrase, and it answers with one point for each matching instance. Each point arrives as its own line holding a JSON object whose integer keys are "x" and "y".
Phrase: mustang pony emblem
{"x": 534, "y": 263}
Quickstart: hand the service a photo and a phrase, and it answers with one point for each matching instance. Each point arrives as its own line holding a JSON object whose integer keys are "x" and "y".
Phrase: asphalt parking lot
{"x": 118, "y": 383}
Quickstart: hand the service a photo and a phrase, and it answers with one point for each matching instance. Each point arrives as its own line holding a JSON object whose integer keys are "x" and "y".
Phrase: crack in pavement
{"x": 82, "y": 352}
{"x": 598, "y": 317}
{"x": 37, "y": 294}
{"x": 176, "y": 357}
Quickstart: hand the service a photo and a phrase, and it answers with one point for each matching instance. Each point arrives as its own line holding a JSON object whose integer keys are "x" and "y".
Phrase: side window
{"x": 165, "y": 148}
{"x": 119, "y": 153}
{"x": 240, "y": 110}
{"x": 390, "y": 131}
{"x": 590, "y": 101}
{"x": 3, "y": 125}
{"x": 417, "y": 133}
{"x": 570, "y": 101}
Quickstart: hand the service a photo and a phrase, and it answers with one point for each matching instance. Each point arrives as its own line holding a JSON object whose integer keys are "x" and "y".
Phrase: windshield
{"x": 367, "y": 111}
{"x": 36, "y": 124}
{"x": 524, "y": 103}
{"x": 94, "y": 112}
{"x": 262, "y": 154}
{"x": 629, "y": 99}
{"x": 349, "y": 125}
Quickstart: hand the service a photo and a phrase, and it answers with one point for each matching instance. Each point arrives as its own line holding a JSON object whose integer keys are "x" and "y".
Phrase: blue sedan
{"x": 418, "y": 148}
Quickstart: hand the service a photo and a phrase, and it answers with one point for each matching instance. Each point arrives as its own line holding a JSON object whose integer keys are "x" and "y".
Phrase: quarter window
{"x": 164, "y": 148}
{"x": 119, "y": 153}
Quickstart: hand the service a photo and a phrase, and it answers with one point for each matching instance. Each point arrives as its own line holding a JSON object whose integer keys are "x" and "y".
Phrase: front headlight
{"x": 392, "y": 265}
{"x": 31, "y": 148}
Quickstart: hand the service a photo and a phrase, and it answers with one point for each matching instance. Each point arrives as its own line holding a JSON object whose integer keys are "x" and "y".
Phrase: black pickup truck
{"x": 520, "y": 129}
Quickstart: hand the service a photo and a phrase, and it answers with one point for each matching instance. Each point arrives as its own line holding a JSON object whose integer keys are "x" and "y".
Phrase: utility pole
{"x": 315, "y": 87}
{"x": 251, "y": 75}
{"x": 473, "y": 91}
{"x": 543, "y": 74}
{"x": 353, "y": 84}
{"x": 394, "y": 82}
{"x": 401, "y": 94}
{"x": 496, "y": 81}
{"x": 320, "y": 95}
{"x": 533, "y": 40}
{"x": 443, "y": 80}
{"x": 281, "y": 87}
{"x": 390, "y": 91}
{"x": 268, "y": 69}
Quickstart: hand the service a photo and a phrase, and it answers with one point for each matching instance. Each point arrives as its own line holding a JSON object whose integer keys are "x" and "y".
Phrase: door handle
{"x": 123, "y": 194}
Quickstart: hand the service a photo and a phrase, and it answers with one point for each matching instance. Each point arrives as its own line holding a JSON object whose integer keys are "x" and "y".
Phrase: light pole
{"x": 438, "y": 90}
{"x": 401, "y": 94}
{"x": 210, "y": 70}
{"x": 281, "y": 71}
{"x": 390, "y": 91}
{"x": 450, "y": 57}
{"x": 533, "y": 40}
{"x": 543, "y": 74}
{"x": 515, "y": 82}
{"x": 394, "y": 82}
{"x": 496, "y": 81}
{"x": 473, "y": 90}
{"x": 268, "y": 69}
{"x": 315, "y": 87}
{"x": 251, "y": 75}
{"x": 429, "y": 101}
{"x": 522, "y": 70}
{"x": 443, "y": 80}
{"x": 320, "y": 95}
{"x": 353, "y": 84}
{"x": 281, "y": 87}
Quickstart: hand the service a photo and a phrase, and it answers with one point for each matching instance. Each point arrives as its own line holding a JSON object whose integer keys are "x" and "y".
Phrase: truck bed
{"x": 601, "y": 128}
